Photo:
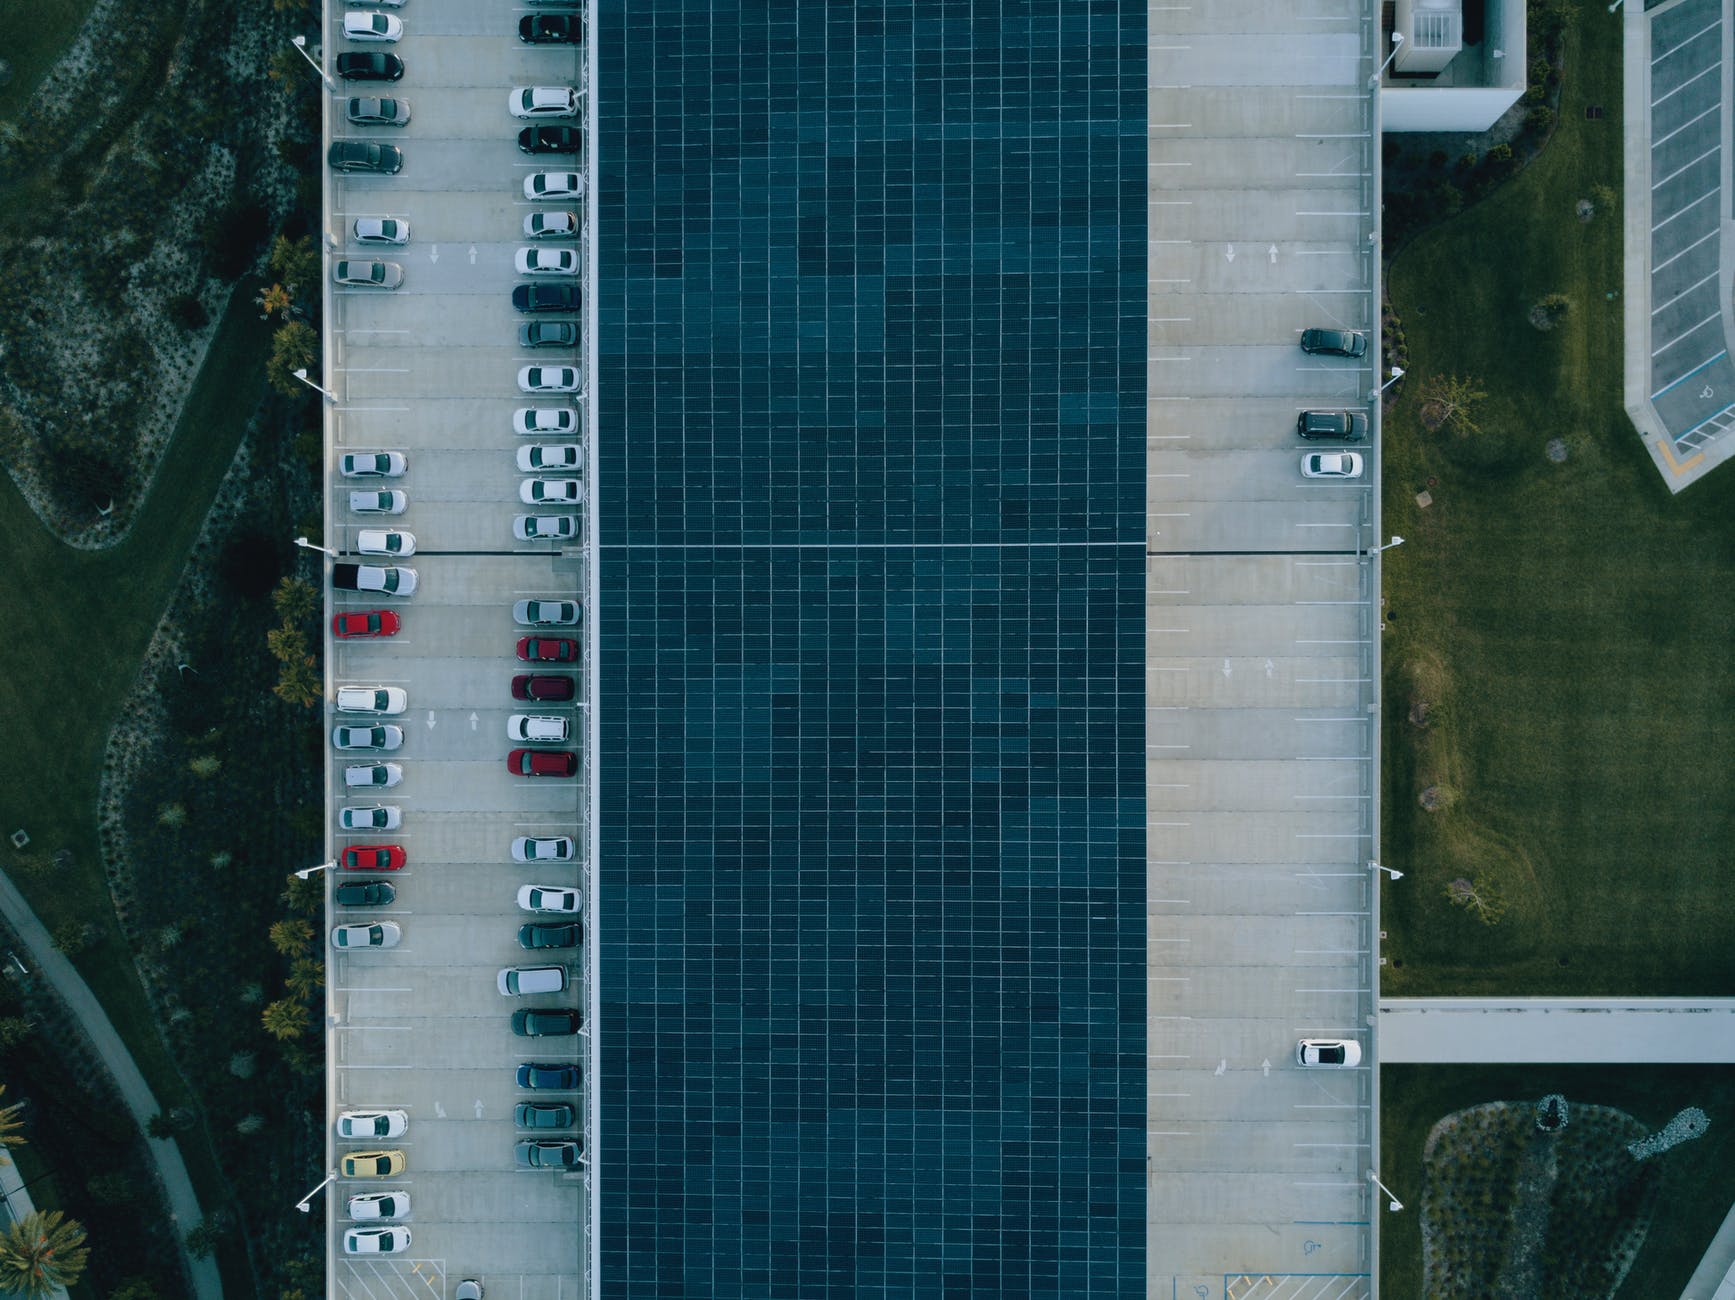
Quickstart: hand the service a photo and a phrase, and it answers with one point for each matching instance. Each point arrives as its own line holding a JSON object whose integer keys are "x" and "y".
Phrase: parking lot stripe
{"x": 1689, "y": 289}
{"x": 1687, "y": 333}
{"x": 1677, "y": 131}
{"x": 1689, "y": 248}
{"x": 1701, "y": 158}
{"x": 1689, "y": 81}
{"x": 1709, "y": 27}
{"x": 1715, "y": 189}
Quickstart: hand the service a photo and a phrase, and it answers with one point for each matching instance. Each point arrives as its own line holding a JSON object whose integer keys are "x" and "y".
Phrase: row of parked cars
{"x": 1337, "y": 426}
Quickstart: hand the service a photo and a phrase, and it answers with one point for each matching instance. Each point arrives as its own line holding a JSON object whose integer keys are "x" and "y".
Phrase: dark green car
{"x": 1334, "y": 343}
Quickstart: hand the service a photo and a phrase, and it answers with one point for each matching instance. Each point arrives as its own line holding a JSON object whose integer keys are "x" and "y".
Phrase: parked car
{"x": 363, "y": 893}
{"x": 542, "y": 762}
{"x": 369, "y": 65}
{"x": 470, "y": 1288}
{"x": 364, "y": 623}
{"x": 372, "y": 464}
{"x": 373, "y": 857}
{"x": 372, "y": 1164}
{"x": 381, "y": 541}
{"x": 378, "y": 1205}
{"x": 549, "y": 457}
{"x": 544, "y": 1114}
{"x": 371, "y": 110}
{"x": 548, "y": 334}
{"x": 545, "y": 848}
{"x": 380, "y": 230}
{"x": 381, "y": 736}
{"x": 372, "y": 699}
{"x": 372, "y": 1123}
{"x": 551, "y": 491}
{"x": 394, "y": 502}
{"x": 547, "y": 650}
{"x": 542, "y": 686}
{"x": 550, "y": 139}
{"x": 553, "y": 185}
{"x": 1337, "y": 343}
{"x": 1331, "y": 464}
{"x": 1344, "y": 426}
{"x": 391, "y": 1240}
{"x": 551, "y": 1075}
{"x": 381, "y": 934}
{"x": 547, "y": 613}
{"x": 548, "y": 379}
{"x": 565, "y": 1154}
{"x": 546, "y": 1023}
{"x": 534, "y": 421}
{"x": 367, "y": 275}
{"x": 544, "y": 528}
{"x": 551, "y": 225}
{"x": 365, "y": 156}
{"x": 376, "y": 27}
{"x": 372, "y": 817}
{"x": 388, "y": 580}
{"x": 1329, "y": 1053}
{"x": 549, "y": 898}
{"x": 379, "y": 776}
{"x": 535, "y": 729}
{"x": 543, "y": 101}
{"x": 521, "y": 981}
{"x": 536, "y": 260}
{"x": 546, "y": 297}
{"x": 549, "y": 935}
{"x": 551, "y": 29}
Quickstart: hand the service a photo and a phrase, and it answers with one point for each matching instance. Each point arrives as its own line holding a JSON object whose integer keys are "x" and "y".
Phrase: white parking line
{"x": 1688, "y": 208}
{"x": 1689, "y": 289}
{"x": 1686, "y": 333}
{"x": 1701, "y": 158}
{"x": 1689, "y": 81}
{"x": 1678, "y": 256}
{"x": 1684, "y": 125}
{"x": 1709, "y": 27}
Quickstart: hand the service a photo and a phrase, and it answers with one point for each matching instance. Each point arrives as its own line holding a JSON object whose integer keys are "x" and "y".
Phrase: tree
{"x": 286, "y": 1019}
{"x": 1451, "y": 402}
{"x": 160, "y": 1126}
{"x": 204, "y": 766}
{"x": 1481, "y": 896}
{"x": 13, "y": 1031}
{"x": 111, "y": 1188}
{"x": 41, "y": 1253}
{"x": 72, "y": 937}
{"x": 290, "y": 935}
{"x": 286, "y": 643}
{"x": 298, "y": 682}
{"x": 274, "y": 300}
{"x": 136, "y": 1288}
{"x": 295, "y": 600}
{"x": 204, "y": 1237}
{"x": 11, "y": 1127}
{"x": 306, "y": 976}
{"x": 172, "y": 815}
{"x": 294, "y": 262}
{"x": 294, "y": 347}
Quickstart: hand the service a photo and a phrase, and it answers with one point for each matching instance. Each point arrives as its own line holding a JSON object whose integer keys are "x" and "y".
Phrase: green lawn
{"x": 1699, "y": 1176}
{"x": 32, "y": 37}
{"x": 1569, "y": 625}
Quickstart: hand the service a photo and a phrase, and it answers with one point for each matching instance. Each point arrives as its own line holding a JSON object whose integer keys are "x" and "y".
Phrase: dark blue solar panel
{"x": 871, "y": 466}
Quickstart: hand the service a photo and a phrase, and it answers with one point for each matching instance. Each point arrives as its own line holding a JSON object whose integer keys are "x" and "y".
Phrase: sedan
{"x": 365, "y": 623}
{"x": 1329, "y": 1053}
{"x": 1335, "y": 343}
{"x": 549, "y": 1155}
{"x": 378, "y": 1205}
{"x": 380, "y": 230}
{"x": 1331, "y": 464}
{"x": 551, "y": 225}
{"x": 541, "y": 296}
{"x": 379, "y": 541}
{"x": 548, "y": 334}
{"x": 382, "y": 934}
{"x": 364, "y": 156}
{"x": 373, "y": 1123}
{"x": 370, "y": 65}
{"x": 553, "y": 185}
{"x": 543, "y": 101}
{"x": 544, "y": 1114}
{"x": 364, "y": 893}
{"x": 542, "y": 686}
{"x": 372, "y": 775}
{"x": 372, "y": 1164}
{"x": 551, "y": 491}
{"x": 365, "y": 110}
{"x": 550, "y": 935}
{"x": 522, "y": 981}
{"x": 368, "y": 464}
{"x": 372, "y": 699}
{"x": 373, "y": 817}
{"x": 379, "y": 503}
{"x": 550, "y": 139}
{"x": 387, "y": 579}
{"x": 549, "y": 898}
{"x": 550, "y": 1075}
{"x": 535, "y": 729}
{"x": 390, "y": 1240}
{"x": 542, "y": 762}
{"x": 368, "y": 275}
{"x": 549, "y": 848}
{"x": 550, "y": 29}
{"x": 544, "y": 528}
{"x": 373, "y": 857}
{"x": 547, "y": 650}
{"x": 547, "y": 1023}
{"x": 546, "y": 261}
{"x": 547, "y": 613}
{"x": 384, "y": 737}
{"x": 550, "y": 457}
{"x": 372, "y": 27}
{"x": 532, "y": 421}
{"x": 548, "y": 379}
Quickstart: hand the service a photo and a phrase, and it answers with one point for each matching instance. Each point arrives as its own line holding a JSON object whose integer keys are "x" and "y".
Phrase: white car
{"x": 548, "y": 898}
{"x": 551, "y": 491}
{"x": 533, "y": 421}
{"x": 378, "y": 1205}
{"x": 535, "y": 729}
{"x": 1328, "y": 1053}
{"x": 545, "y": 528}
{"x": 380, "y": 736}
{"x": 543, "y": 101}
{"x": 388, "y": 579}
{"x": 380, "y": 934}
{"x": 372, "y": 464}
{"x": 373, "y": 817}
{"x": 547, "y": 613}
{"x": 372, "y": 776}
{"x": 391, "y": 1240}
{"x": 380, "y": 541}
{"x": 549, "y": 848}
{"x": 551, "y": 225}
{"x": 367, "y": 275}
{"x": 372, "y": 699}
{"x": 1331, "y": 464}
{"x": 381, "y": 230}
{"x": 546, "y": 261}
{"x": 394, "y": 502}
{"x": 372, "y": 27}
{"x": 553, "y": 185}
{"x": 372, "y": 1124}
{"x": 548, "y": 379}
{"x": 550, "y": 457}
{"x": 518, "y": 981}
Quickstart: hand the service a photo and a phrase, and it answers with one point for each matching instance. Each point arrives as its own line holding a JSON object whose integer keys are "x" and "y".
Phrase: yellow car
{"x": 373, "y": 1164}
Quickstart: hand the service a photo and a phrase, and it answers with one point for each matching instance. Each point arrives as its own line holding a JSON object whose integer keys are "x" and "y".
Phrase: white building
{"x": 1437, "y": 82}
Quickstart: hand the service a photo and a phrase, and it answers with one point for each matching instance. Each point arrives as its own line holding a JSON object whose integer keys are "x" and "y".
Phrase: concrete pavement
{"x": 1459, "y": 1031}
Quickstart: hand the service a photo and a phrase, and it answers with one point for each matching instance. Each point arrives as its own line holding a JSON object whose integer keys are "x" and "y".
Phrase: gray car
{"x": 544, "y": 1114}
{"x": 366, "y": 110}
{"x": 548, "y": 334}
{"x": 548, "y": 1154}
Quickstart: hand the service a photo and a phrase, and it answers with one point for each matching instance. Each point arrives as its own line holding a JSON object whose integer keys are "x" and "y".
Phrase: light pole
{"x": 300, "y": 43}
{"x": 1397, "y": 40}
{"x": 1393, "y": 872}
{"x": 303, "y": 874}
{"x": 302, "y": 376}
{"x": 303, "y": 1203}
{"x": 1396, "y": 541}
{"x": 1614, "y": 6}
{"x": 306, "y": 545}
{"x": 1397, "y": 374}
{"x": 1396, "y": 1204}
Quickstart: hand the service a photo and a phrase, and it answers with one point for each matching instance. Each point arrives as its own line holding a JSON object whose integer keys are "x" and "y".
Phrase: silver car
{"x": 368, "y": 275}
{"x": 381, "y": 230}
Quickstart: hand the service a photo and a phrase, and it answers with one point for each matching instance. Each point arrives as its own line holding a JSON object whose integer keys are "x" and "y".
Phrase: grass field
{"x": 32, "y": 37}
{"x": 1568, "y": 625}
{"x": 1699, "y": 1176}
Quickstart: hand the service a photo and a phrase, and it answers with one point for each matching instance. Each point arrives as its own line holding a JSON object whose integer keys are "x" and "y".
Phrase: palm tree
{"x": 41, "y": 1252}
{"x": 286, "y": 1019}
{"x": 11, "y": 1127}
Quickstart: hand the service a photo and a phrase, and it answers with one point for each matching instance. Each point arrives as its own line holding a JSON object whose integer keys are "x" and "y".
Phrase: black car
{"x": 551, "y": 139}
{"x": 544, "y": 1114}
{"x": 547, "y": 1022}
{"x": 1335, "y": 343}
{"x": 545, "y": 297}
{"x": 550, "y": 29}
{"x": 364, "y": 156}
{"x": 369, "y": 65}
{"x": 542, "y": 686}
{"x": 1344, "y": 426}
{"x": 543, "y": 1074}
{"x": 549, "y": 934}
{"x": 363, "y": 893}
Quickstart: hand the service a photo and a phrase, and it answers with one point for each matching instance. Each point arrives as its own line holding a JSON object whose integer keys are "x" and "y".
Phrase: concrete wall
{"x": 1445, "y": 108}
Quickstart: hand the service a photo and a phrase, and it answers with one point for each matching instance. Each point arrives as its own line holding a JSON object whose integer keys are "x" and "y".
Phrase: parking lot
{"x": 429, "y": 369}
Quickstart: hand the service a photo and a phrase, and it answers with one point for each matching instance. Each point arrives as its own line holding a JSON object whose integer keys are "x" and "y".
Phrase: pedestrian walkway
{"x": 1714, "y": 1279}
{"x": 1556, "y": 1031}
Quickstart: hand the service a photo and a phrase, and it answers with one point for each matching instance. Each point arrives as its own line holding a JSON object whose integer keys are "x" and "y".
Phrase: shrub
{"x": 188, "y": 312}
{"x": 294, "y": 347}
{"x": 1540, "y": 119}
{"x": 1467, "y": 161}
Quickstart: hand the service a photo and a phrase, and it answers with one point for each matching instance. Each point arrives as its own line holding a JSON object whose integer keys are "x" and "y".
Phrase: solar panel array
{"x": 871, "y": 481}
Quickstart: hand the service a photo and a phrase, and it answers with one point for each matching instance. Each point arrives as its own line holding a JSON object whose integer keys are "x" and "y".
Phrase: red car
{"x": 373, "y": 857}
{"x": 547, "y": 649}
{"x": 542, "y": 762}
{"x": 365, "y": 622}
{"x": 541, "y": 686}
